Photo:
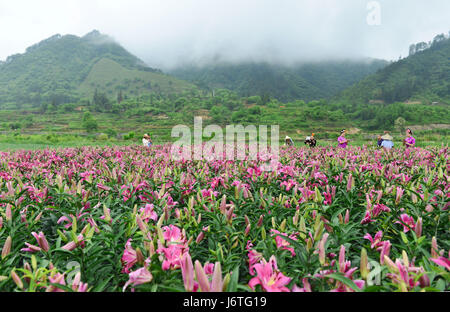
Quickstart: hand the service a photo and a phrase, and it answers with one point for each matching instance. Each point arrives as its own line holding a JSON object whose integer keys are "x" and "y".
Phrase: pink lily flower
{"x": 344, "y": 267}
{"x": 269, "y": 277}
{"x": 138, "y": 277}
{"x": 367, "y": 218}
{"x": 129, "y": 257}
{"x": 58, "y": 278}
{"x": 376, "y": 241}
{"x": 77, "y": 285}
{"x": 147, "y": 213}
{"x": 442, "y": 261}
{"x": 306, "y": 286}
{"x": 283, "y": 244}
{"x": 407, "y": 222}
{"x": 385, "y": 249}
{"x": 172, "y": 234}
{"x": 253, "y": 258}
{"x": 172, "y": 256}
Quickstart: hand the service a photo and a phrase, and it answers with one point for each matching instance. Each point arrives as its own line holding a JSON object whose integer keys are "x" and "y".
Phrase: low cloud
{"x": 168, "y": 33}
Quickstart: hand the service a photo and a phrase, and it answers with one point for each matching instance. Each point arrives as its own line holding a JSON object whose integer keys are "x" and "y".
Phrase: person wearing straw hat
{"x": 342, "y": 140}
{"x": 146, "y": 140}
{"x": 388, "y": 142}
{"x": 288, "y": 141}
{"x": 311, "y": 141}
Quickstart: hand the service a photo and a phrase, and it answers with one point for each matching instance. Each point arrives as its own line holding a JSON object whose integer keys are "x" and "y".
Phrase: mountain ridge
{"x": 53, "y": 69}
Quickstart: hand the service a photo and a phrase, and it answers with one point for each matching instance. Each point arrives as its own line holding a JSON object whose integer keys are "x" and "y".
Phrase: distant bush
{"x": 111, "y": 133}
{"x": 14, "y": 125}
{"x": 129, "y": 136}
{"x": 102, "y": 137}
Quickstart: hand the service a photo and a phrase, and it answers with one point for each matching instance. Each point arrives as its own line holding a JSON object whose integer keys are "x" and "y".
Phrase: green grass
{"x": 109, "y": 76}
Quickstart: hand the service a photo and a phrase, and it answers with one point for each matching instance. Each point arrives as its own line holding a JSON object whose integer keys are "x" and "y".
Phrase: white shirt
{"x": 145, "y": 142}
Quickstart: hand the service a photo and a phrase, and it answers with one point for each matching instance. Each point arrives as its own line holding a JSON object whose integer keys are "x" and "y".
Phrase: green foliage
{"x": 64, "y": 69}
{"x": 89, "y": 123}
{"x": 424, "y": 76}
{"x": 260, "y": 81}
{"x": 14, "y": 125}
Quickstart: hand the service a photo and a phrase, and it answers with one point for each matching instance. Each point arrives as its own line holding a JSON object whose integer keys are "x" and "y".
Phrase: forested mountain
{"x": 424, "y": 76}
{"x": 62, "y": 69}
{"x": 309, "y": 81}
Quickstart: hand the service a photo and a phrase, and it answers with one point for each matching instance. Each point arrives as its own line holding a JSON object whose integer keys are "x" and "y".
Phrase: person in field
{"x": 379, "y": 141}
{"x": 311, "y": 141}
{"x": 342, "y": 140}
{"x": 146, "y": 140}
{"x": 288, "y": 141}
{"x": 388, "y": 143}
{"x": 409, "y": 141}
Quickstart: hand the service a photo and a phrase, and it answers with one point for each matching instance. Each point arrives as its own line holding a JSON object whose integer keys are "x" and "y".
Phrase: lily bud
{"x": 7, "y": 247}
{"x": 350, "y": 182}
{"x": 424, "y": 280}
{"x": 302, "y": 227}
{"x": 8, "y": 212}
{"x": 347, "y": 216}
{"x": 142, "y": 226}
{"x": 200, "y": 237}
{"x": 226, "y": 281}
{"x": 260, "y": 221}
{"x": 390, "y": 264}
{"x": 38, "y": 217}
{"x": 1, "y": 222}
{"x": 247, "y": 230}
{"x": 223, "y": 204}
{"x": 295, "y": 218}
{"x": 283, "y": 225}
{"x": 263, "y": 233}
{"x": 247, "y": 221}
{"x": 139, "y": 255}
{"x": 434, "y": 248}
{"x": 418, "y": 228}
{"x": 16, "y": 279}
{"x": 107, "y": 214}
{"x": 322, "y": 248}
{"x": 308, "y": 243}
{"x": 399, "y": 194}
{"x": 364, "y": 264}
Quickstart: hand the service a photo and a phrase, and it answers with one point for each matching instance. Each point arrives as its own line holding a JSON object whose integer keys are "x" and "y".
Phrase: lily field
{"x": 129, "y": 218}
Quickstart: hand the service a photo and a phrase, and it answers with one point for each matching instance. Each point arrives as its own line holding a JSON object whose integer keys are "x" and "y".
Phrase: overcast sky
{"x": 165, "y": 33}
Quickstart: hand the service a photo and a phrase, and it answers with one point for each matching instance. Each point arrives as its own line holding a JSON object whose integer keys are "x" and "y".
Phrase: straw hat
{"x": 287, "y": 138}
{"x": 387, "y": 137}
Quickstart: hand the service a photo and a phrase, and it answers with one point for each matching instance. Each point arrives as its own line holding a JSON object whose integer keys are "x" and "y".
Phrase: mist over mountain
{"x": 306, "y": 81}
